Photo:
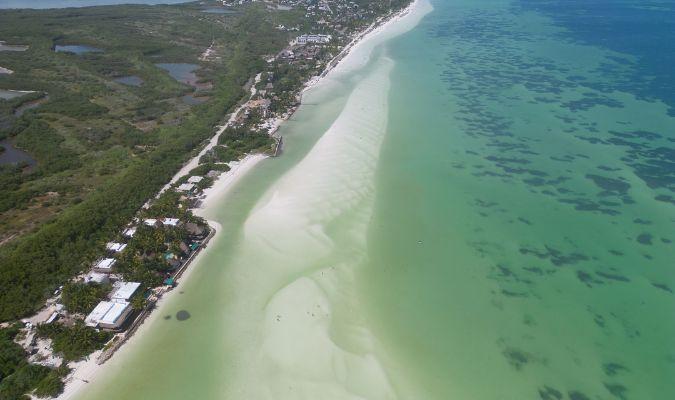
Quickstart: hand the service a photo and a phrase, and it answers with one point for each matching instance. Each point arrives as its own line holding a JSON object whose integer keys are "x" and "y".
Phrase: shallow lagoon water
{"x": 193, "y": 100}
{"x": 78, "y": 49}
{"x": 218, "y": 10}
{"x": 30, "y": 105}
{"x": 182, "y": 72}
{"x": 12, "y": 155}
{"x": 506, "y": 232}
{"x": 131, "y": 80}
{"x": 11, "y": 94}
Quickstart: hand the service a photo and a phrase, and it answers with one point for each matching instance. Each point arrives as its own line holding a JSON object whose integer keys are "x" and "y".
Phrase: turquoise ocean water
{"x": 522, "y": 244}
{"x": 483, "y": 210}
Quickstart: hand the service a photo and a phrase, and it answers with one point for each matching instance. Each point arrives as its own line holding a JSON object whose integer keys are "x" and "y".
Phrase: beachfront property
{"x": 108, "y": 315}
{"x": 319, "y": 39}
{"x": 186, "y": 187}
{"x": 124, "y": 291}
{"x": 115, "y": 247}
{"x": 195, "y": 179}
{"x": 112, "y": 314}
{"x": 104, "y": 265}
{"x": 195, "y": 230}
{"x": 213, "y": 174}
{"x": 262, "y": 104}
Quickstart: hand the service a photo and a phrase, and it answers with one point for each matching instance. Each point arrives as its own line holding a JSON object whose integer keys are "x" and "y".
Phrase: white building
{"x": 104, "y": 265}
{"x": 52, "y": 317}
{"x": 186, "y": 187}
{"x": 170, "y": 221}
{"x": 195, "y": 179}
{"x": 125, "y": 291}
{"x": 116, "y": 316}
{"x": 97, "y": 313}
{"x": 108, "y": 314}
{"x": 129, "y": 232}
{"x": 150, "y": 222}
{"x": 321, "y": 39}
{"x": 115, "y": 247}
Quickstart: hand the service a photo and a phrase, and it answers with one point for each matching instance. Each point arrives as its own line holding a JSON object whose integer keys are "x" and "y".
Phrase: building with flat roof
{"x": 129, "y": 232}
{"x": 150, "y": 222}
{"x": 170, "y": 221}
{"x": 115, "y": 316}
{"x": 195, "y": 179}
{"x": 321, "y": 39}
{"x": 115, "y": 247}
{"x": 97, "y": 313}
{"x": 125, "y": 291}
{"x": 108, "y": 314}
{"x": 186, "y": 187}
{"x": 104, "y": 265}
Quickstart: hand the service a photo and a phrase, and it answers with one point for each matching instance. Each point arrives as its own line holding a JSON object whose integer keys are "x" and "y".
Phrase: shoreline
{"x": 87, "y": 370}
{"x": 372, "y": 29}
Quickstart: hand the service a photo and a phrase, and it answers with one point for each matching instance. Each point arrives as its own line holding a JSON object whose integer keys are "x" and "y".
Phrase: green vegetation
{"x": 17, "y": 376}
{"x": 11, "y": 354}
{"x": 154, "y": 251}
{"x": 24, "y": 379}
{"x": 205, "y": 168}
{"x": 82, "y": 297}
{"x": 234, "y": 143}
{"x": 244, "y": 141}
{"x": 95, "y": 170}
{"x": 73, "y": 342}
{"x": 52, "y": 384}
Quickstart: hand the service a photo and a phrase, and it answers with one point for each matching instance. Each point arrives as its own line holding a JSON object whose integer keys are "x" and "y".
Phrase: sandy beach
{"x": 296, "y": 321}
{"x": 353, "y": 56}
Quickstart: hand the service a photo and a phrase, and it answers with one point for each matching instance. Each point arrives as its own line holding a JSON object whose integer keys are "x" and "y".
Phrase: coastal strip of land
{"x": 86, "y": 371}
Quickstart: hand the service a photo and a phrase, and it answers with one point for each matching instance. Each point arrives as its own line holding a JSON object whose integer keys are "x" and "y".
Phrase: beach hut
{"x": 195, "y": 230}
